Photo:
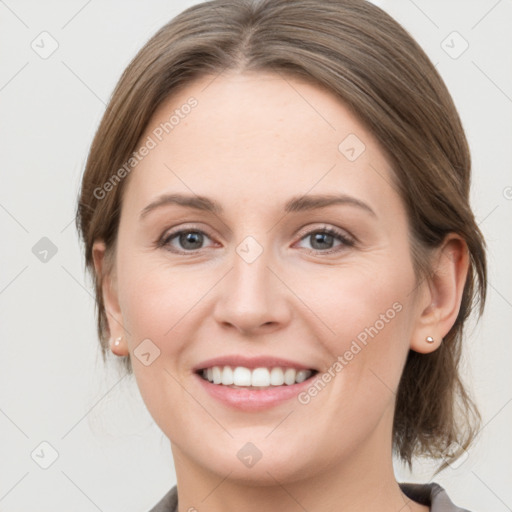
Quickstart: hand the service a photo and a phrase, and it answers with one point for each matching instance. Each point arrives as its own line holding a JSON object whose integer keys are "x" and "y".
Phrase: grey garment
{"x": 431, "y": 494}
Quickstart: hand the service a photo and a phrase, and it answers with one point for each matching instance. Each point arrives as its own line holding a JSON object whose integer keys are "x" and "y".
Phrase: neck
{"x": 363, "y": 481}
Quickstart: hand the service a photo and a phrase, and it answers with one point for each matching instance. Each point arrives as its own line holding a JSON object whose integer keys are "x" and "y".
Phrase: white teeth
{"x": 257, "y": 377}
{"x": 241, "y": 376}
{"x": 302, "y": 375}
{"x": 216, "y": 375}
{"x": 227, "y": 376}
{"x": 276, "y": 377}
{"x": 260, "y": 377}
{"x": 289, "y": 376}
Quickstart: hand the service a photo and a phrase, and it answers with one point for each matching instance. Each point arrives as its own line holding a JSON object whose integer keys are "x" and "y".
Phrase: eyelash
{"x": 346, "y": 241}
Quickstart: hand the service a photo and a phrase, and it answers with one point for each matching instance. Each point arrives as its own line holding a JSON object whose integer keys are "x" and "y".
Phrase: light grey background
{"x": 53, "y": 386}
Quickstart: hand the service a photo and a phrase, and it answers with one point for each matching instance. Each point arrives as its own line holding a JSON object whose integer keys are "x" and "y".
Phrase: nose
{"x": 253, "y": 297}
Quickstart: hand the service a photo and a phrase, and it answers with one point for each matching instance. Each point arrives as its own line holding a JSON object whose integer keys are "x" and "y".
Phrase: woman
{"x": 242, "y": 138}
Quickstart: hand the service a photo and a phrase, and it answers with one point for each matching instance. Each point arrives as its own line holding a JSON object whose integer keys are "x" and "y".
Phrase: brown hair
{"x": 361, "y": 54}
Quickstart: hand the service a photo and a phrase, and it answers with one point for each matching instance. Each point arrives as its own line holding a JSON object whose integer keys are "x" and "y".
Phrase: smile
{"x": 261, "y": 378}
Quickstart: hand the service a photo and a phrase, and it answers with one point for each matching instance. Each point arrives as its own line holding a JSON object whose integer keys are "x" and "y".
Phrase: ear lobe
{"x": 440, "y": 303}
{"x": 110, "y": 299}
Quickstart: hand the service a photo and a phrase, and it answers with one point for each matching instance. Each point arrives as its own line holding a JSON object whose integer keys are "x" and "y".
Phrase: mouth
{"x": 262, "y": 378}
{"x": 253, "y": 383}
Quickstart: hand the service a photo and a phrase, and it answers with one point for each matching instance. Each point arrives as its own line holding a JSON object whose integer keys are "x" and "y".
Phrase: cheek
{"x": 155, "y": 298}
{"x": 368, "y": 317}
{"x": 358, "y": 299}
{"x": 147, "y": 309}
{"x": 371, "y": 321}
{"x": 155, "y": 302}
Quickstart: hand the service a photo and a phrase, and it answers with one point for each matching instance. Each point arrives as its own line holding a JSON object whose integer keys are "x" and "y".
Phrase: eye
{"x": 189, "y": 240}
{"x": 323, "y": 239}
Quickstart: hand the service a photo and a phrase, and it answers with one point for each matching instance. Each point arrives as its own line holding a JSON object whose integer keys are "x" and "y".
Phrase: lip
{"x": 251, "y": 362}
{"x": 253, "y": 399}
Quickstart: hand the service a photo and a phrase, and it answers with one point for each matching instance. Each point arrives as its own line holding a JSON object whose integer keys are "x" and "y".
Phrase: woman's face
{"x": 257, "y": 278}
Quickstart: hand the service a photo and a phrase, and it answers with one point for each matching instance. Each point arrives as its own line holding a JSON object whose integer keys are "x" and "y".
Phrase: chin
{"x": 259, "y": 464}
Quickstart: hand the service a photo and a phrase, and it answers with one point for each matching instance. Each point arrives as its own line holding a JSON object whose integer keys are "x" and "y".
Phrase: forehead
{"x": 258, "y": 135}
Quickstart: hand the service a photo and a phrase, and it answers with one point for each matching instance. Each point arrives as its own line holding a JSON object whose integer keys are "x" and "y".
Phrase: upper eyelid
{"x": 171, "y": 232}
{"x": 326, "y": 227}
{"x": 303, "y": 231}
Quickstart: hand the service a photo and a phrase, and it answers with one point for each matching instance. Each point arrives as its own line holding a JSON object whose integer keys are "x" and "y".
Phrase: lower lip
{"x": 254, "y": 399}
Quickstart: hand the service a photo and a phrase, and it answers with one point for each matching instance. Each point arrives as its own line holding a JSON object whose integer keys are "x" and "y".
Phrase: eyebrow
{"x": 295, "y": 204}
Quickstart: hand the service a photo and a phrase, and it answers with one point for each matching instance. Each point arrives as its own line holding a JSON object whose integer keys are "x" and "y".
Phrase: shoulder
{"x": 169, "y": 503}
{"x": 430, "y": 494}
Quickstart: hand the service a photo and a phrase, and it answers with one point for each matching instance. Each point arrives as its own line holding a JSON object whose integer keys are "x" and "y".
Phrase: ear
{"x": 441, "y": 295}
{"x": 110, "y": 300}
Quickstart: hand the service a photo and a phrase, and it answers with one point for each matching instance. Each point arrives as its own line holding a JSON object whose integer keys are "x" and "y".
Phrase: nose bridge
{"x": 251, "y": 273}
{"x": 252, "y": 295}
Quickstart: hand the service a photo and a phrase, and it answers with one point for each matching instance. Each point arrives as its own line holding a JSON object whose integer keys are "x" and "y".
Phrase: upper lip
{"x": 251, "y": 362}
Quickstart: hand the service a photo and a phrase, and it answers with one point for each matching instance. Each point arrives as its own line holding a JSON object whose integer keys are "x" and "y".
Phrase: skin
{"x": 251, "y": 144}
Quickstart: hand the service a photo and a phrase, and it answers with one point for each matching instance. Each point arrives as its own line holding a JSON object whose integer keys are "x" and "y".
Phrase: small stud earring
{"x": 430, "y": 339}
{"x": 118, "y": 341}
